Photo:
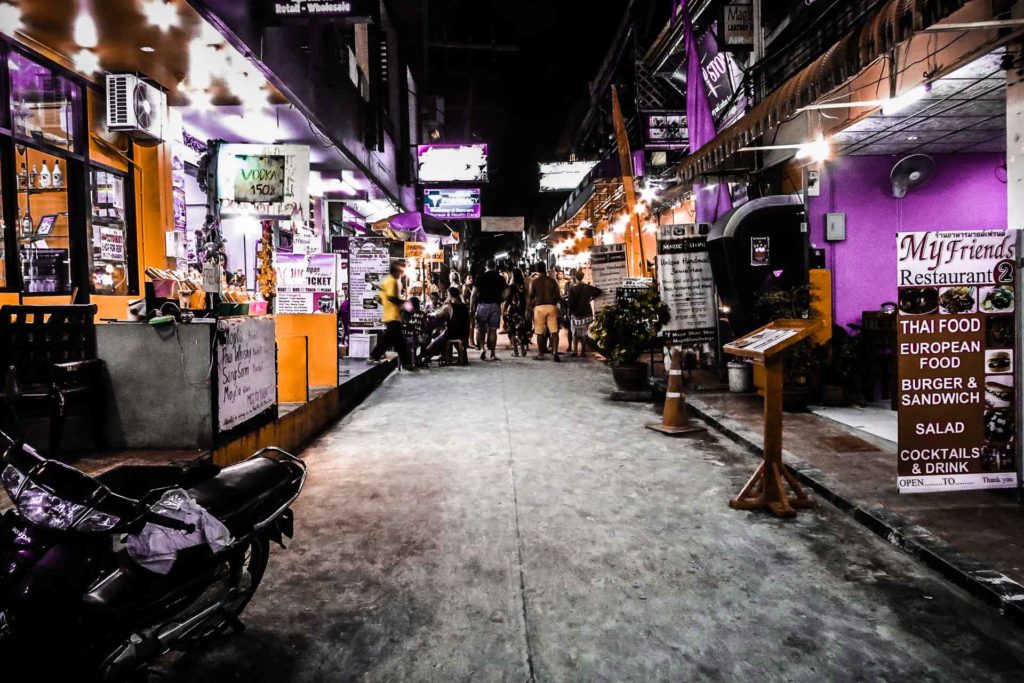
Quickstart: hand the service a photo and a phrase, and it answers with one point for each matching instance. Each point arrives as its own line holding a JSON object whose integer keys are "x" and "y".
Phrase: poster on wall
{"x": 956, "y": 341}
{"x": 246, "y": 370}
{"x": 306, "y": 283}
{"x": 264, "y": 181}
{"x": 608, "y": 270}
{"x": 665, "y": 130}
{"x": 687, "y": 284}
{"x": 760, "y": 251}
{"x": 369, "y": 261}
{"x": 111, "y": 244}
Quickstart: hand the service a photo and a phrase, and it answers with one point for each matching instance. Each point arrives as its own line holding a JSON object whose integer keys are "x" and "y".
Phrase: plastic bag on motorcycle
{"x": 156, "y": 547}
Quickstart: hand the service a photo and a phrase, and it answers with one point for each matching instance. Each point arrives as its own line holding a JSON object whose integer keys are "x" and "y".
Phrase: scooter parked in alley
{"x": 100, "y": 576}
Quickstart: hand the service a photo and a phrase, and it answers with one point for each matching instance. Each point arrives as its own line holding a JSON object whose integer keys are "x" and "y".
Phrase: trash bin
{"x": 741, "y": 377}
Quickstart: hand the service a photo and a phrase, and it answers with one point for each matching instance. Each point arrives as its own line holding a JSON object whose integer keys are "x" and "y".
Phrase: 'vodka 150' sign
{"x": 356, "y": 10}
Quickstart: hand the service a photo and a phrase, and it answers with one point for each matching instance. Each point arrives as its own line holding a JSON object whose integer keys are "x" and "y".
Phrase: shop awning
{"x": 415, "y": 226}
{"x": 894, "y": 22}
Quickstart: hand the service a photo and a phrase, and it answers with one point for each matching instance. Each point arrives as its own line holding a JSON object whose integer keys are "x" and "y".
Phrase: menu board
{"x": 687, "y": 284}
{"x": 306, "y": 284}
{"x": 607, "y": 269}
{"x": 246, "y": 370}
{"x": 369, "y": 262}
{"x": 955, "y": 337}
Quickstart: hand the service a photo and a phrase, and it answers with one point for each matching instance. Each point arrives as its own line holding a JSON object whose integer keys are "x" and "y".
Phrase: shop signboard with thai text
{"x": 608, "y": 269}
{"x": 955, "y": 342}
{"x": 246, "y": 370}
{"x": 687, "y": 284}
{"x": 306, "y": 283}
{"x": 369, "y": 261}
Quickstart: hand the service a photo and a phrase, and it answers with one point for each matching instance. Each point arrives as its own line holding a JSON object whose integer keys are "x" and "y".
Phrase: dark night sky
{"x": 521, "y": 102}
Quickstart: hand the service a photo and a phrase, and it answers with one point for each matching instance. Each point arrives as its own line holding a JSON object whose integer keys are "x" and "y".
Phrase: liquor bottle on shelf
{"x": 26, "y": 224}
{"x": 44, "y": 176}
{"x": 23, "y": 176}
{"x": 33, "y": 177}
{"x": 58, "y": 175}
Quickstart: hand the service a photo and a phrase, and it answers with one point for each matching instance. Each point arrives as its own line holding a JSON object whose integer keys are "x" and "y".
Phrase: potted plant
{"x": 841, "y": 374}
{"x": 624, "y": 330}
{"x": 803, "y": 361}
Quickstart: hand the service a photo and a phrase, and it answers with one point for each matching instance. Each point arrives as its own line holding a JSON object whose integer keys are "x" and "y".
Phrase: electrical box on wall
{"x": 835, "y": 227}
{"x": 813, "y": 183}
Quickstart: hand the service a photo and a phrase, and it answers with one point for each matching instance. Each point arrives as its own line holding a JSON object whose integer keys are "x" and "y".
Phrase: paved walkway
{"x": 506, "y": 522}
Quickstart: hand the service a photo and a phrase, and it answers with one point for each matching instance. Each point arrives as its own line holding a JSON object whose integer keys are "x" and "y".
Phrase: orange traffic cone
{"x": 675, "y": 420}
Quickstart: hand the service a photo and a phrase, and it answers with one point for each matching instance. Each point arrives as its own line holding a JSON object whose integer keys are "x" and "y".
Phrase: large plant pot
{"x": 630, "y": 377}
{"x": 796, "y": 397}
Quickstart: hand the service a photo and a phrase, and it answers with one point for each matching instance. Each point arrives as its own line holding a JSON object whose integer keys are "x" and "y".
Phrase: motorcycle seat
{"x": 240, "y": 493}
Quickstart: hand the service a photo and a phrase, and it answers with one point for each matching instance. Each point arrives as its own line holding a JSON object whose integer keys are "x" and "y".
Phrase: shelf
{"x": 41, "y": 190}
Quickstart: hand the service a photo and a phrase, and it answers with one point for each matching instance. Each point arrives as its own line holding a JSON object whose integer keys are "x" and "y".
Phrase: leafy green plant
{"x": 625, "y": 329}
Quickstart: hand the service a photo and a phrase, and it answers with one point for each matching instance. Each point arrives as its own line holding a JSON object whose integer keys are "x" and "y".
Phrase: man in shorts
{"x": 489, "y": 291}
{"x": 543, "y": 299}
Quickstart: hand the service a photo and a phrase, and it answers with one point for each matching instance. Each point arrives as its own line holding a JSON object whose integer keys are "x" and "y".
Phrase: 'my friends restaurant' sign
{"x": 955, "y": 339}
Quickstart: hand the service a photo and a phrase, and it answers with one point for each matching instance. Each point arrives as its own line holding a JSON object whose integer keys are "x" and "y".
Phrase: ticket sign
{"x": 955, "y": 338}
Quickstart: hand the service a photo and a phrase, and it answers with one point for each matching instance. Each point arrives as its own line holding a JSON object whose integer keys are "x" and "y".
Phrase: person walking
{"x": 489, "y": 292}
{"x": 519, "y": 330}
{"x": 543, "y": 301}
{"x": 581, "y": 312}
{"x": 391, "y": 303}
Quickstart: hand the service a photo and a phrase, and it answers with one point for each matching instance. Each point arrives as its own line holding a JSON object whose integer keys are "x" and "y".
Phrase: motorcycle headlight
{"x": 97, "y": 521}
{"x": 12, "y": 480}
{"x": 42, "y": 508}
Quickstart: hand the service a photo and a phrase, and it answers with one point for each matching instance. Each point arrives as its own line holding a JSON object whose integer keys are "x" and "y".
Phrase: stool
{"x": 458, "y": 347}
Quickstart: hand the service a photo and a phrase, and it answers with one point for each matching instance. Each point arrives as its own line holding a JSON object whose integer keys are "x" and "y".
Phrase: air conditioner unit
{"x": 135, "y": 107}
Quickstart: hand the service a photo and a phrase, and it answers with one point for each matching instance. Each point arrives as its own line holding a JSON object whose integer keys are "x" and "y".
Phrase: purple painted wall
{"x": 964, "y": 194}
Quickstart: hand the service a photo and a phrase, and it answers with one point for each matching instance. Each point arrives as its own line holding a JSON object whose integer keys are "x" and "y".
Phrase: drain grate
{"x": 848, "y": 444}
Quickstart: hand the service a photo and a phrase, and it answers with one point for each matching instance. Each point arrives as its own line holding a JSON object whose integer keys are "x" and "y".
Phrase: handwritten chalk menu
{"x": 306, "y": 283}
{"x": 259, "y": 178}
{"x": 368, "y": 265}
{"x": 687, "y": 285}
{"x": 955, "y": 339}
{"x": 246, "y": 369}
{"x": 607, "y": 270}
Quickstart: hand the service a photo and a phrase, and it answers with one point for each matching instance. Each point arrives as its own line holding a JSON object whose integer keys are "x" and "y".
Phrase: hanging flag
{"x": 713, "y": 199}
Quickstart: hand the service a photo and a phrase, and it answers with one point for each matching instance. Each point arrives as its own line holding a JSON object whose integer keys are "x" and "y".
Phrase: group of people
{"x": 522, "y": 302}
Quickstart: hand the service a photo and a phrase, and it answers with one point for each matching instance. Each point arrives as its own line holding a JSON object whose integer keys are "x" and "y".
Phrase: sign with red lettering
{"x": 955, "y": 338}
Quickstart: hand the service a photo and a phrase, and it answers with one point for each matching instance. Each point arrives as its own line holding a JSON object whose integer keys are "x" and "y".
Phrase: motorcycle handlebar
{"x": 169, "y": 522}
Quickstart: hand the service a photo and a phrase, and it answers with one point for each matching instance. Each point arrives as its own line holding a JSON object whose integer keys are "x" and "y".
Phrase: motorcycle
{"x": 74, "y": 602}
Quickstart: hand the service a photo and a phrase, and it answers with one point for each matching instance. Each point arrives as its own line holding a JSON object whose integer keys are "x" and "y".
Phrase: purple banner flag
{"x": 712, "y": 200}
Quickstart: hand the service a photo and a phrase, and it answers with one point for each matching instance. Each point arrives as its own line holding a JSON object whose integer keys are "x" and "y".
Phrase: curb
{"x": 991, "y": 586}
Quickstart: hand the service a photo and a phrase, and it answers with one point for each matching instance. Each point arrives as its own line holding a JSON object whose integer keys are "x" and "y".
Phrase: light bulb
{"x": 86, "y": 62}
{"x": 10, "y": 19}
{"x": 85, "y": 33}
{"x": 163, "y": 15}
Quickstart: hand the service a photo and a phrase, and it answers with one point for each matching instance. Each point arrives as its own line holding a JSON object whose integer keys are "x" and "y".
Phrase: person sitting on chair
{"x": 456, "y": 313}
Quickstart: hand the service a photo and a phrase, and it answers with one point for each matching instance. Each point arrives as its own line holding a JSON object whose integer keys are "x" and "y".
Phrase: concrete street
{"x": 506, "y": 522}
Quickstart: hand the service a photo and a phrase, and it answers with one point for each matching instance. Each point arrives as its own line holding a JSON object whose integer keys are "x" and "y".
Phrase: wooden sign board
{"x": 772, "y": 339}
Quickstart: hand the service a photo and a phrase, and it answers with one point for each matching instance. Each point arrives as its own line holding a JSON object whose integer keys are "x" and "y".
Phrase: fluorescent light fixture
{"x": 85, "y": 33}
{"x": 147, "y": 48}
{"x": 501, "y": 255}
{"x": 901, "y": 102}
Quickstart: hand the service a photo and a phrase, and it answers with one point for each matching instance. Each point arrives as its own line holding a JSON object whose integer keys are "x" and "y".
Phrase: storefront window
{"x": 42, "y": 229}
{"x": 108, "y": 267}
{"x": 42, "y": 102}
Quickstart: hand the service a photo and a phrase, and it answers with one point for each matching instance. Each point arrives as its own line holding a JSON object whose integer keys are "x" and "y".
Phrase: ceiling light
{"x": 85, "y": 33}
{"x": 901, "y": 102}
{"x": 86, "y": 62}
{"x": 648, "y": 194}
{"x": 816, "y": 150}
{"x": 148, "y": 48}
{"x": 163, "y": 15}
{"x": 10, "y": 19}
{"x": 912, "y": 138}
